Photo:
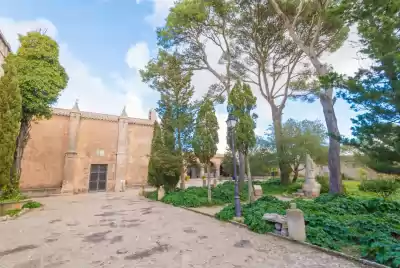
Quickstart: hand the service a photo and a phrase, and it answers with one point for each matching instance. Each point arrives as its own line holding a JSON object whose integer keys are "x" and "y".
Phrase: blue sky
{"x": 103, "y": 44}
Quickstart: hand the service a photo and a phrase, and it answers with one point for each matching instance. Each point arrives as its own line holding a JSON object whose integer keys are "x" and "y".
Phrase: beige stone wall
{"x": 43, "y": 161}
{"x": 139, "y": 149}
{"x": 4, "y": 51}
{"x": 96, "y": 144}
{"x": 46, "y": 163}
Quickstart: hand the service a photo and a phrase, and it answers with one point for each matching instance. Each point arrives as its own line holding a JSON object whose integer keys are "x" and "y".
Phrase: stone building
{"x": 5, "y": 49}
{"x": 78, "y": 151}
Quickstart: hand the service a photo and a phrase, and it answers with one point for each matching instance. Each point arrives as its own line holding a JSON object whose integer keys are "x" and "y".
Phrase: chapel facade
{"x": 77, "y": 152}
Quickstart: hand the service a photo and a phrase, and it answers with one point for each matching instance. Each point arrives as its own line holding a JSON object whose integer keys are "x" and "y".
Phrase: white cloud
{"x": 160, "y": 11}
{"x": 95, "y": 93}
{"x": 138, "y": 56}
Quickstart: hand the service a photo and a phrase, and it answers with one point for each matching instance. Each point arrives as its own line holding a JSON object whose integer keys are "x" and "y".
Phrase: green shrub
{"x": 370, "y": 227}
{"x": 32, "y": 204}
{"x": 324, "y": 181}
{"x": 384, "y": 187}
{"x": 13, "y": 212}
{"x": 151, "y": 195}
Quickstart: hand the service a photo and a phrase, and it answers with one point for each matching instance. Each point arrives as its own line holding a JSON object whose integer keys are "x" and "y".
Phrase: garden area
{"x": 360, "y": 223}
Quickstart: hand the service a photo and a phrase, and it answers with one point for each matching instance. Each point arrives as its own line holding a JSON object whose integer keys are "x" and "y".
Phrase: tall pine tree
{"x": 10, "y": 116}
{"x": 375, "y": 92}
{"x": 167, "y": 75}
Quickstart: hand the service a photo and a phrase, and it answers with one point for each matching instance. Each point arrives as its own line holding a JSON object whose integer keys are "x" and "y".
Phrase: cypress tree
{"x": 10, "y": 116}
{"x": 155, "y": 176}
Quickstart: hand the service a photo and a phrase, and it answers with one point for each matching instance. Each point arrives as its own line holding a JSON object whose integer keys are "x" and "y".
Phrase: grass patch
{"x": 32, "y": 204}
{"x": 13, "y": 212}
{"x": 352, "y": 189}
{"x": 369, "y": 228}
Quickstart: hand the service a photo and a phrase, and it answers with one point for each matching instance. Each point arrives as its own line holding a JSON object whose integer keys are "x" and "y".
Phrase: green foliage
{"x": 32, "y": 204}
{"x": 167, "y": 75}
{"x": 274, "y": 186}
{"x": 301, "y": 138}
{"x": 155, "y": 176}
{"x": 205, "y": 137}
{"x": 13, "y": 212}
{"x": 152, "y": 195}
{"x": 383, "y": 187}
{"x": 10, "y": 116}
{"x": 336, "y": 222}
{"x": 324, "y": 181}
{"x": 41, "y": 78}
{"x": 241, "y": 103}
{"x": 198, "y": 196}
{"x": 375, "y": 93}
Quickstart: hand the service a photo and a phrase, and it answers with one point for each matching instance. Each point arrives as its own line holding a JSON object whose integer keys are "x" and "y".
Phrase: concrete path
{"x": 123, "y": 230}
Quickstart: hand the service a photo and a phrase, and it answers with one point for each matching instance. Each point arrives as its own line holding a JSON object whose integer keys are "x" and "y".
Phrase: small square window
{"x": 100, "y": 152}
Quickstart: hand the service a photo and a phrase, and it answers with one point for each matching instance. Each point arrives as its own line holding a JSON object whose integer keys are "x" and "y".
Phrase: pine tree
{"x": 10, "y": 116}
{"x": 205, "y": 138}
{"x": 167, "y": 75}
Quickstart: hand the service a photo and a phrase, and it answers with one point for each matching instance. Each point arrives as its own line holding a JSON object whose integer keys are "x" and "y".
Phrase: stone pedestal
{"x": 70, "y": 163}
{"x": 160, "y": 193}
{"x": 258, "y": 192}
{"x": 296, "y": 224}
{"x": 311, "y": 188}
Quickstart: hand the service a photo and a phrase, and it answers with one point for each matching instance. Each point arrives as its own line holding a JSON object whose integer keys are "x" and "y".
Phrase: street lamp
{"x": 231, "y": 123}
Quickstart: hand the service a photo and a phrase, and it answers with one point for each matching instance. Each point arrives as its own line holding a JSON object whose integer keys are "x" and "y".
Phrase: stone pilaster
{"x": 71, "y": 156}
{"x": 122, "y": 152}
{"x": 201, "y": 170}
{"x": 152, "y": 115}
{"x": 217, "y": 169}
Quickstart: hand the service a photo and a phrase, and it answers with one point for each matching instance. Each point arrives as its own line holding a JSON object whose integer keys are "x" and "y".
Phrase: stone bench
{"x": 280, "y": 222}
{"x": 292, "y": 224}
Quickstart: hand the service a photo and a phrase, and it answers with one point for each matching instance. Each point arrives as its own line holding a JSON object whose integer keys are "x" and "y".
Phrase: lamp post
{"x": 231, "y": 123}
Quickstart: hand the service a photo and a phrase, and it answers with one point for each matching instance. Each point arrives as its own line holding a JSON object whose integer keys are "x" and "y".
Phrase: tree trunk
{"x": 295, "y": 173}
{"x": 209, "y": 183}
{"x": 241, "y": 170}
{"x": 335, "y": 180}
{"x": 284, "y": 166}
{"x": 183, "y": 177}
{"x": 249, "y": 180}
{"x": 22, "y": 140}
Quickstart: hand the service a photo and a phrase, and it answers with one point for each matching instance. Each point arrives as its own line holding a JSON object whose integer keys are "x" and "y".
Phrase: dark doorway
{"x": 98, "y": 178}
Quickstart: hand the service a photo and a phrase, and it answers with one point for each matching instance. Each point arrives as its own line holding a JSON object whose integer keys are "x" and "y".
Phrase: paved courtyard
{"x": 123, "y": 230}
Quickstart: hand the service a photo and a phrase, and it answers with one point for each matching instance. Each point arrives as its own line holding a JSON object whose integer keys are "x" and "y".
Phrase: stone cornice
{"x": 103, "y": 117}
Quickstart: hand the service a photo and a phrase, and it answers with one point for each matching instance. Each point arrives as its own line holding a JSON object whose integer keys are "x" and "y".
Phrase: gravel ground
{"x": 123, "y": 230}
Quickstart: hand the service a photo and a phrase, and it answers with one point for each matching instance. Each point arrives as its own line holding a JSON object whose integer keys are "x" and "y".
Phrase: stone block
{"x": 296, "y": 223}
{"x": 257, "y": 191}
{"x": 161, "y": 193}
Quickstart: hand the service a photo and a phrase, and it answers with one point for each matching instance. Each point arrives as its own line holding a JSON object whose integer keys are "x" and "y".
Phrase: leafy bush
{"x": 32, "y": 204}
{"x": 370, "y": 226}
{"x": 151, "y": 195}
{"x": 383, "y": 187}
{"x": 324, "y": 181}
{"x": 13, "y": 212}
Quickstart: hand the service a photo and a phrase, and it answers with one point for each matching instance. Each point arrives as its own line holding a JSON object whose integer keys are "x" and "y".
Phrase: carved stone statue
{"x": 311, "y": 187}
{"x": 310, "y": 168}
